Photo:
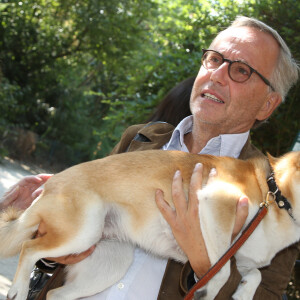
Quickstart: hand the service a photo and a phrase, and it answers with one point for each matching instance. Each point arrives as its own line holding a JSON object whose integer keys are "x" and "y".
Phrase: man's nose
{"x": 220, "y": 75}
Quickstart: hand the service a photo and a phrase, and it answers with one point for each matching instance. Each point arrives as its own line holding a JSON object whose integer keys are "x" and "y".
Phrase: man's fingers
{"x": 36, "y": 193}
{"x": 195, "y": 185}
{"x": 241, "y": 215}
{"x": 73, "y": 258}
{"x": 166, "y": 210}
{"x": 10, "y": 196}
{"x": 212, "y": 175}
{"x": 34, "y": 182}
{"x": 178, "y": 195}
{"x": 30, "y": 180}
{"x": 44, "y": 177}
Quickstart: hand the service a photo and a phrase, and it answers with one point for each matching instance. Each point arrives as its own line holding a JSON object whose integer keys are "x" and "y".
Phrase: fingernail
{"x": 158, "y": 192}
{"x": 243, "y": 201}
{"x": 213, "y": 172}
{"x": 198, "y": 166}
{"x": 177, "y": 173}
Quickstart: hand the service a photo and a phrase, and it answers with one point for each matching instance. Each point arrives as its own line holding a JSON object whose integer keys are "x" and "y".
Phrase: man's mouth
{"x": 211, "y": 97}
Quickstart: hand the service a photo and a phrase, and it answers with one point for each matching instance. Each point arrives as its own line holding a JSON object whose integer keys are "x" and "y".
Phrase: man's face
{"x": 230, "y": 106}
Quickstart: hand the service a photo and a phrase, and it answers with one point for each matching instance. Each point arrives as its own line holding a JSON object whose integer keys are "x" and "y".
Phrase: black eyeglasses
{"x": 238, "y": 71}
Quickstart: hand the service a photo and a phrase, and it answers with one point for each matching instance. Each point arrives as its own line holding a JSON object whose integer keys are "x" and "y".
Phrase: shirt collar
{"x": 222, "y": 145}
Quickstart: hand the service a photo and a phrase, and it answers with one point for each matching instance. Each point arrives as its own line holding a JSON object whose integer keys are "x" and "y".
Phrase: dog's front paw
{"x": 12, "y": 293}
{"x": 15, "y": 293}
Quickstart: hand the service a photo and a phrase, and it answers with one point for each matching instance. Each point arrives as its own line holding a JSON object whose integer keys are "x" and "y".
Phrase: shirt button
{"x": 121, "y": 285}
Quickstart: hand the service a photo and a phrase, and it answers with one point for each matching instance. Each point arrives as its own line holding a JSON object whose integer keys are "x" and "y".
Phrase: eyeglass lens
{"x": 238, "y": 71}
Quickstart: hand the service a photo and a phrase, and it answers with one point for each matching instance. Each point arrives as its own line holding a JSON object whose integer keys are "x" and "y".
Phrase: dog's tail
{"x": 14, "y": 230}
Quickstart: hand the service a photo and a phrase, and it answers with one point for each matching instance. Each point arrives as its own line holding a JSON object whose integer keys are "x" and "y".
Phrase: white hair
{"x": 286, "y": 72}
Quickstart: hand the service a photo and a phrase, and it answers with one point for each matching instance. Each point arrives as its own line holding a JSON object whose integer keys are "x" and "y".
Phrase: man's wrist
{"x": 200, "y": 266}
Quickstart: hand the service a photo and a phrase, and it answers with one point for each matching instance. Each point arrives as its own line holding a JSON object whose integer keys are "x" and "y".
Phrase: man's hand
{"x": 24, "y": 192}
{"x": 184, "y": 220}
{"x": 73, "y": 258}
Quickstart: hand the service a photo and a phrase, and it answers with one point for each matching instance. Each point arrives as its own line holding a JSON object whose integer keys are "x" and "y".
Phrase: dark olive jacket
{"x": 275, "y": 277}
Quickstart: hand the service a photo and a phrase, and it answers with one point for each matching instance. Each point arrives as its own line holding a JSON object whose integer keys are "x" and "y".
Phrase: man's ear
{"x": 272, "y": 101}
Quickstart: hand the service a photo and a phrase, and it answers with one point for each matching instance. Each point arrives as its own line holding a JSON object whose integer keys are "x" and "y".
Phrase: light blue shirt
{"x": 143, "y": 278}
{"x": 222, "y": 145}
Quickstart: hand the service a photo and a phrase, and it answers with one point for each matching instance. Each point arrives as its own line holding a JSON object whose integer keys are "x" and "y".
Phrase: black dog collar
{"x": 281, "y": 201}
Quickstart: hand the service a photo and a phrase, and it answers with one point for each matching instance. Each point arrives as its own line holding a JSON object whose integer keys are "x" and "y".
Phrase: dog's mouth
{"x": 211, "y": 97}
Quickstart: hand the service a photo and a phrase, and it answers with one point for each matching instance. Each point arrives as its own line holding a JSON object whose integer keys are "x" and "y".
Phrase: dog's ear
{"x": 272, "y": 159}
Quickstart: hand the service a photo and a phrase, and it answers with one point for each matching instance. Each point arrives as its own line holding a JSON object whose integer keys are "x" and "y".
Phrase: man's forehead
{"x": 237, "y": 35}
{"x": 247, "y": 44}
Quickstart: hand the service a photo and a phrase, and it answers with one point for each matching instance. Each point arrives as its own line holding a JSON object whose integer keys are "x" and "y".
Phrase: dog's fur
{"x": 111, "y": 202}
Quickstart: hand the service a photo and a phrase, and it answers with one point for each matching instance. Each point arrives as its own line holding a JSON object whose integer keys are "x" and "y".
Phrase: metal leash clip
{"x": 270, "y": 198}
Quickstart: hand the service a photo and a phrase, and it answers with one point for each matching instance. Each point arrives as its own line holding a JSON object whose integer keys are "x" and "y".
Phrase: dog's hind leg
{"x": 28, "y": 258}
{"x": 58, "y": 242}
{"x": 105, "y": 266}
{"x": 247, "y": 288}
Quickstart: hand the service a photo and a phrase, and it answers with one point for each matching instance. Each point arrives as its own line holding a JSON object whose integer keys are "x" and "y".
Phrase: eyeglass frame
{"x": 264, "y": 79}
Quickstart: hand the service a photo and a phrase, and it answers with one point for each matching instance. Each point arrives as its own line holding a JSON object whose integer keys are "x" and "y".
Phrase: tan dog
{"x": 111, "y": 201}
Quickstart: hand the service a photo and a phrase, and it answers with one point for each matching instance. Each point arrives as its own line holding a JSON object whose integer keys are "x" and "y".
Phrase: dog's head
{"x": 287, "y": 176}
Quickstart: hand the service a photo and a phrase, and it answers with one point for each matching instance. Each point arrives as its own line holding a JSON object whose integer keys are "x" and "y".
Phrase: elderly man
{"x": 245, "y": 74}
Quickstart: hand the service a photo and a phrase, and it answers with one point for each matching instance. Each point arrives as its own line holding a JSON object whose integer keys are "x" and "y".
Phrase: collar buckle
{"x": 281, "y": 201}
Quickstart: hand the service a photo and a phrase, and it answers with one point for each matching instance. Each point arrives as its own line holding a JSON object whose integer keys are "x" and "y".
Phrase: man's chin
{"x": 205, "y": 119}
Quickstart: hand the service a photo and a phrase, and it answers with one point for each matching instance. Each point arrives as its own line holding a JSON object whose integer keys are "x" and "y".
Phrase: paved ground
{"x": 10, "y": 173}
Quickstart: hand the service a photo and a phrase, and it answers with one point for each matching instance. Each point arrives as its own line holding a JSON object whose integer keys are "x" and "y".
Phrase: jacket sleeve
{"x": 141, "y": 137}
{"x": 126, "y": 139}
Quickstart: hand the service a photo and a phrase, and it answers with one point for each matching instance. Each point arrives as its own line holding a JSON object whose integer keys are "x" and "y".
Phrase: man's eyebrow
{"x": 221, "y": 51}
{"x": 239, "y": 60}
{"x": 243, "y": 61}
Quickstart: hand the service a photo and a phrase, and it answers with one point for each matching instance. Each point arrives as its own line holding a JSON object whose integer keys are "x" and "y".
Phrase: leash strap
{"x": 230, "y": 252}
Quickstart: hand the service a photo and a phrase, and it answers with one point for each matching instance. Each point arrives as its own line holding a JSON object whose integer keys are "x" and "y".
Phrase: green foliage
{"x": 279, "y": 133}
{"x": 53, "y": 52}
{"x": 79, "y": 72}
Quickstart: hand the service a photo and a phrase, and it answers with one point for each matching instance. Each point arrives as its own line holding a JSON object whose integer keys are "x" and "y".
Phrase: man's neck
{"x": 199, "y": 137}
{"x": 195, "y": 143}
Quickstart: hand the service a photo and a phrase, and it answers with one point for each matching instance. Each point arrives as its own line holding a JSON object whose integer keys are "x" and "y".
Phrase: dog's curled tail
{"x": 14, "y": 230}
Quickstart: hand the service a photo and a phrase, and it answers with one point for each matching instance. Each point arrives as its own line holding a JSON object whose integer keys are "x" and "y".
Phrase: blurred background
{"x": 75, "y": 73}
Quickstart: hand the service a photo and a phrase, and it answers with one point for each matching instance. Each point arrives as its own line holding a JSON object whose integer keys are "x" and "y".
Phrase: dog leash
{"x": 233, "y": 249}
